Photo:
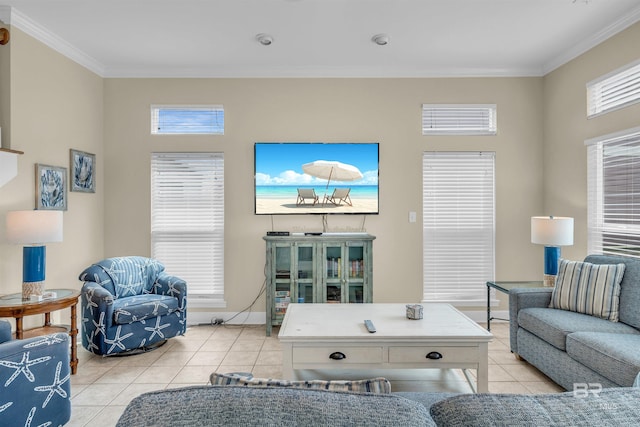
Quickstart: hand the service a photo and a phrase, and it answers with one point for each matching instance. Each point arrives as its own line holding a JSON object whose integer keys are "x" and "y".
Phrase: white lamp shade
{"x": 32, "y": 227}
{"x": 552, "y": 230}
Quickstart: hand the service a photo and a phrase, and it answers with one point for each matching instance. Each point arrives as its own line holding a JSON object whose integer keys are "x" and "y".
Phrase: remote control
{"x": 369, "y": 325}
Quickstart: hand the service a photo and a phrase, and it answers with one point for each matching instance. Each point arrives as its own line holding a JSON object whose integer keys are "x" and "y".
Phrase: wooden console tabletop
{"x": 13, "y": 306}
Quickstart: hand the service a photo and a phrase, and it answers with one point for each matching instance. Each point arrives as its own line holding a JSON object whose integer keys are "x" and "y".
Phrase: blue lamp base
{"x": 551, "y": 259}
{"x": 33, "y": 270}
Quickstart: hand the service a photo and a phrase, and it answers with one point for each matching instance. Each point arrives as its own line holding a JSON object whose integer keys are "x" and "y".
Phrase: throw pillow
{"x": 374, "y": 385}
{"x": 587, "y": 288}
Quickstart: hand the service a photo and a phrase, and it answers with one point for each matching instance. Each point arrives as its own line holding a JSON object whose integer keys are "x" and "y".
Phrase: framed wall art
{"x": 83, "y": 168}
{"x": 51, "y": 187}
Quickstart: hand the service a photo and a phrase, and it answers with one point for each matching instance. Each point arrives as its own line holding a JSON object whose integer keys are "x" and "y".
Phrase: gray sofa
{"x": 272, "y": 406}
{"x": 575, "y": 350}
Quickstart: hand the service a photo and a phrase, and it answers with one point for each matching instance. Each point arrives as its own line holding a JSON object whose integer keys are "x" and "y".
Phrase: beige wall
{"x": 567, "y": 127}
{"x": 384, "y": 110}
{"x": 55, "y": 105}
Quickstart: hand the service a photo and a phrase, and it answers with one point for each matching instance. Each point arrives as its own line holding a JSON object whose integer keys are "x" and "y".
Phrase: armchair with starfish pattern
{"x": 130, "y": 305}
{"x": 35, "y": 385}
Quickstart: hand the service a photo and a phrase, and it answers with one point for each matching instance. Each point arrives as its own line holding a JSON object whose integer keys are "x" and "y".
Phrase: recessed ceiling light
{"x": 380, "y": 39}
{"x": 264, "y": 39}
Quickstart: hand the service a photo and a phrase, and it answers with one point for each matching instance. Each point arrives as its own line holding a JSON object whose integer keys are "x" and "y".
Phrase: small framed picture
{"x": 83, "y": 171}
{"x": 51, "y": 187}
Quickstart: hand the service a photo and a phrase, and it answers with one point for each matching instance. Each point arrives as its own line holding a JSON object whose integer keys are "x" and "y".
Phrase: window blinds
{"x": 187, "y": 219}
{"x": 614, "y": 90}
{"x": 613, "y": 189}
{"x": 459, "y": 119}
{"x": 187, "y": 119}
{"x": 458, "y": 226}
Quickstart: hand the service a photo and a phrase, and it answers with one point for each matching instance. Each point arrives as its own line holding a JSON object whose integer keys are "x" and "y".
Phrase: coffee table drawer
{"x": 345, "y": 355}
{"x": 433, "y": 354}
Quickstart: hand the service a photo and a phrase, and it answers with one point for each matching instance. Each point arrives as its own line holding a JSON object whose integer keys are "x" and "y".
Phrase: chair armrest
{"x": 95, "y": 300}
{"x": 522, "y": 298}
{"x": 35, "y": 373}
{"x": 5, "y": 331}
{"x": 167, "y": 284}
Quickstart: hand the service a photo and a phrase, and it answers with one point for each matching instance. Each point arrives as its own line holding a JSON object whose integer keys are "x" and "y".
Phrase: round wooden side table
{"x": 13, "y": 306}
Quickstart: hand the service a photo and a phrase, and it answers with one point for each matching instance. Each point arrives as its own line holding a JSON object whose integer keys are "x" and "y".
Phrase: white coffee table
{"x": 333, "y": 336}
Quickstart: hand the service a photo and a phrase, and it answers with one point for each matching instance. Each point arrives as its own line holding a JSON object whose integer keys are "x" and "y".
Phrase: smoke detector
{"x": 380, "y": 39}
{"x": 264, "y": 39}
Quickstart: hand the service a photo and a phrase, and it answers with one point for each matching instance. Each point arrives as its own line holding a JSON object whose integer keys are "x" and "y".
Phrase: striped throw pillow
{"x": 587, "y": 288}
{"x": 374, "y": 385}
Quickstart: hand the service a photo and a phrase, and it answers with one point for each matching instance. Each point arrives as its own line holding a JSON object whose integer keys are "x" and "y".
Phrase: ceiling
{"x": 320, "y": 38}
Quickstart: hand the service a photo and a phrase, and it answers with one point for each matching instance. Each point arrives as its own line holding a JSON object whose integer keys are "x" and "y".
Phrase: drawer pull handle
{"x": 337, "y": 356}
{"x": 434, "y": 355}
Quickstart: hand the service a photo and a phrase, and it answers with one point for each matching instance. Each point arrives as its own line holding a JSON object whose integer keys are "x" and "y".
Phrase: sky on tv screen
{"x": 281, "y": 163}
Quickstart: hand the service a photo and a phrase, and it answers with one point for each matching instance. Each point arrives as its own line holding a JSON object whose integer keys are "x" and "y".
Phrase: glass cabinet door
{"x": 305, "y": 273}
{"x": 333, "y": 259}
{"x": 283, "y": 284}
{"x": 355, "y": 273}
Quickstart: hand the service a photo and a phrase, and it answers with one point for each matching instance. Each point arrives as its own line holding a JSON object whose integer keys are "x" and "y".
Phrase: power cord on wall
{"x": 220, "y": 321}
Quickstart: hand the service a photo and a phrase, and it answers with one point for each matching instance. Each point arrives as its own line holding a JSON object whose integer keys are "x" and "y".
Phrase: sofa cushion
{"x": 588, "y": 288}
{"x": 615, "y": 356}
{"x": 375, "y": 385}
{"x": 141, "y": 307}
{"x": 629, "y": 288}
{"x": 274, "y": 406}
{"x": 554, "y": 325}
{"x": 611, "y": 407}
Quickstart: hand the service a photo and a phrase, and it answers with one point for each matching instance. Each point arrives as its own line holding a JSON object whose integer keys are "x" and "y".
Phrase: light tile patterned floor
{"x": 104, "y": 386}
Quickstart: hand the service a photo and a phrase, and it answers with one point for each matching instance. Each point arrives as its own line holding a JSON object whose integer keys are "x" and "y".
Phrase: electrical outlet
{"x": 412, "y": 216}
{"x": 218, "y": 321}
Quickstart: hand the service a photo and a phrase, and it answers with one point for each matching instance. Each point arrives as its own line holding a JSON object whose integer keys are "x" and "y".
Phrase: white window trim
{"x": 155, "y": 113}
{"x": 596, "y": 225}
{"x": 626, "y": 75}
{"x": 444, "y": 276}
{"x": 456, "y": 118}
{"x": 189, "y": 237}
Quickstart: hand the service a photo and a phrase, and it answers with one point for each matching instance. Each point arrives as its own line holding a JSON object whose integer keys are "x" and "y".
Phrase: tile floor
{"x": 103, "y": 387}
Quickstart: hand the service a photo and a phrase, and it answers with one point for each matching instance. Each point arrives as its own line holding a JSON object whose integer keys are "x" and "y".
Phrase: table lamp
{"x": 552, "y": 232}
{"x": 34, "y": 228}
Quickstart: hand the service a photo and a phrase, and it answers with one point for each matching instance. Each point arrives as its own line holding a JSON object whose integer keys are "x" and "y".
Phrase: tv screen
{"x": 316, "y": 178}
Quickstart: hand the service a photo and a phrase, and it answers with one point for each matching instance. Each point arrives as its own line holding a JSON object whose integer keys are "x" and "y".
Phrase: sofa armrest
{"x": 167, "y": 284}
{"x": 35, "y": 375}
{"x": 524, "y": 298}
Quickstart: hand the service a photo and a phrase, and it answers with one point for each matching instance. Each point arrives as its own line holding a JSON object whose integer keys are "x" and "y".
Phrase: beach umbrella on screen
{"x": 332, "y": 170}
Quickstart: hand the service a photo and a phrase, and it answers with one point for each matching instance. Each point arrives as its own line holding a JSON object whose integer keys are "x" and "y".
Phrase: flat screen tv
{"x": 316, "y": 178}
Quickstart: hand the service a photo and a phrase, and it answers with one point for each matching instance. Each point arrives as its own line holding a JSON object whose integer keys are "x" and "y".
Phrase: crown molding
{"x": 591, "y": 42}
{"x": 15, "y": 18}
{"x": 316, "y": 72}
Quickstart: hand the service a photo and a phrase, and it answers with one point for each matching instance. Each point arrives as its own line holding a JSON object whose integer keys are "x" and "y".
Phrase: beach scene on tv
{"x": 318, "y": 178}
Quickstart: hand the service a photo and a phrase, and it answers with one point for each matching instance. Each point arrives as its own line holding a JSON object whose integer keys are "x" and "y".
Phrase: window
{"x": 614, "y": 194}
{"x": 187, "y": 119}
{"x": 613, "y": 91}
{"x": 458, "y": 223}
{"x": 187, "y": 221}
{"x": 459, "y": 119}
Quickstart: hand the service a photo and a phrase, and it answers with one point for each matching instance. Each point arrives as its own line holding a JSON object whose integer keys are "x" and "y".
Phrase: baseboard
{"x": 480, "y": 316}
{"x": 260, "y": 317}
{"x": 207, "y": 317}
